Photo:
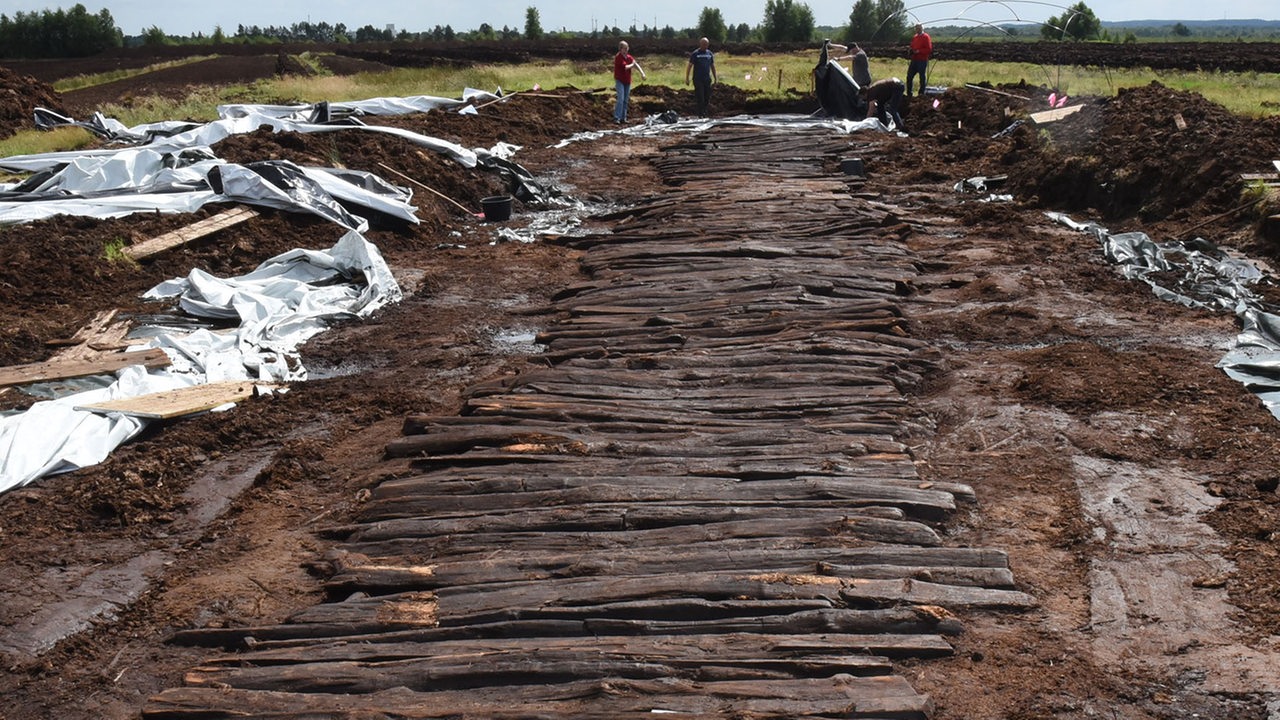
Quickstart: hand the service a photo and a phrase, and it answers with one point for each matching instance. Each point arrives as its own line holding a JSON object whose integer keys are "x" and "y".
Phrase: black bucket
{"x": 851, "y": 166}
{"x": 496, "y": 208}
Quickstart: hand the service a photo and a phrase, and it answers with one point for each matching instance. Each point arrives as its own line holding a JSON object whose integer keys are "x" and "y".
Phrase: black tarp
{"x": 838, "y": 93}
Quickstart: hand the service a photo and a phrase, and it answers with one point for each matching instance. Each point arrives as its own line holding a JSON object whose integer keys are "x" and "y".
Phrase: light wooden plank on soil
{"x": 176, "y": 403}
{"x": 184, "y": 235}
{"x": 1054, "y": 115}
{"x": 80, "y": 367}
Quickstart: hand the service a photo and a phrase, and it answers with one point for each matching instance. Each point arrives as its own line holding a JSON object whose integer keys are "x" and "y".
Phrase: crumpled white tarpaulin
{"x": 281, "y": 304}
{"x": 182, "y": 181}
{"x": 306, "y": 112}
{"x": 654, "y": 127}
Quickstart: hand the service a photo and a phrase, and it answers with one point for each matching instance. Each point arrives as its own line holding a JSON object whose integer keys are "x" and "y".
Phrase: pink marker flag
{"x": 1061, "y": 101}
{"x": 1053, "y": 97}
{"x": 936, "y": 103}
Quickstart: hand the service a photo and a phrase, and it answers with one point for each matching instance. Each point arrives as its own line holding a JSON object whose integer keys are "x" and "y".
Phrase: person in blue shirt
{"x": 702, "y": 66}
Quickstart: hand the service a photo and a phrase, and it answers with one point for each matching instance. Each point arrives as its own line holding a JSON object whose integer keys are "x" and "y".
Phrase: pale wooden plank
{"x": 63, "y": 369}
{"x": 176, "y": 403}
{"x": 1054, "y": 115}
{"x": 184, "y": 235}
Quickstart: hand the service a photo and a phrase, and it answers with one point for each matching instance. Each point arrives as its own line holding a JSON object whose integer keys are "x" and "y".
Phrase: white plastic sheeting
{"x": 653, "y": 126}
{"x": 174, "y": 169}
{"x": 281, "y": 304}
{"x": 306, "y": 112}
{"x": 181, "y": 181}
{"x": 211, "y": 133}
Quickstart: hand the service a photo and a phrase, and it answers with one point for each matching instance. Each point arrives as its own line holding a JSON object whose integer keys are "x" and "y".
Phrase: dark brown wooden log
{"x": 607, "y": 699}
{"x": 474, "y": 664}
{"x": 806, "y": 522}
{"x": 671, "y": 617}
{"x": 864, "y": 653}
{"x": 869, "y": 528}
{"x": 816, "y": 492}
{"x": 520, "y": 564}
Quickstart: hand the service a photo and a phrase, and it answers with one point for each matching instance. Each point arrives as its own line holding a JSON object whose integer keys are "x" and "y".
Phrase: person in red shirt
{"x": 622, "y": 65}
{"x": 921, "y": 49}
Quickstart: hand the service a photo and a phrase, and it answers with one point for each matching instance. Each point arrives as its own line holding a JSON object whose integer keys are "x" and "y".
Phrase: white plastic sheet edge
{"x": 281, "y": 304}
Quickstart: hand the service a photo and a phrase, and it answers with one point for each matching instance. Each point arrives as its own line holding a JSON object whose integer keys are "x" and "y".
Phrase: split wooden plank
{"x": 814, "y": 491}
{"x": 488, "y": 665}
{"x": 871, "y": 529}
{"x": 104, "y": 333}
{"x": 184, "y": 235}
{"x": 81, "y": 367}
{"x": 470, "y": 603}
{"x": 886, "y": 696}
{"x": 661, "y": 617}
{"x": 383, "y": 577}
{"x": 864, "y": 653}
{"x": 168, "y": 404}
{"x": 1048, "y": 116}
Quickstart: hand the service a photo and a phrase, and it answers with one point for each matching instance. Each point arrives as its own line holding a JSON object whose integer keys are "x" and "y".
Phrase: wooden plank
{"x": 102, "y": 333}
{"x": 176, "y": 403}
{"x": 184, "y": 235}
{"x": 545, "y": 664}
{"x": 600, "y": 699}
{"x": 1055, "y": 115}
{"x": 80, "y": 367}
{"x": 659, "y": 617}
{"x": 865, "y": 652}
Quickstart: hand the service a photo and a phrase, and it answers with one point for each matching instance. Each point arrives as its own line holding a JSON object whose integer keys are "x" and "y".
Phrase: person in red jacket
{"x": 622, "y": 65}
{"x": 921, "y": 49}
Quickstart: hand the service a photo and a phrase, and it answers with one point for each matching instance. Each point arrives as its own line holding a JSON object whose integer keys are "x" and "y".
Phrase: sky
{"x": 184, "y": 17}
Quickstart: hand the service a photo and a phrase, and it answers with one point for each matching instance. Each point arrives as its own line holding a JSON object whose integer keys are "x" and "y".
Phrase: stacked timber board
{"x": 694, "y": 501}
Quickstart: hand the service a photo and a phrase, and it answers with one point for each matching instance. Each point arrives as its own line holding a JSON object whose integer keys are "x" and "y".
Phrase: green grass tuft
{"x": 114, "y": 252}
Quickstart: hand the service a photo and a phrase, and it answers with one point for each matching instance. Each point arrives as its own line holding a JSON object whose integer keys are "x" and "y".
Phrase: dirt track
{"x": 1130, "y": 481}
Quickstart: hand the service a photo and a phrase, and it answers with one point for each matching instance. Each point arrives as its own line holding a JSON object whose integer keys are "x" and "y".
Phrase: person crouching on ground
{"x": 702, "y": 66}
{"x": 883, "y": 100}
{"x": 622, "y": 66}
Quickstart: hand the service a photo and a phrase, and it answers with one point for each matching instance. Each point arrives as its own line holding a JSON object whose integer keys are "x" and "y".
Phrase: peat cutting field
{"x": 725, "y": 432}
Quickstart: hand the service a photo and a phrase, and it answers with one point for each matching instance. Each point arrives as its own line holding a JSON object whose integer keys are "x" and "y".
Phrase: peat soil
{"x": 1132, "y": 482}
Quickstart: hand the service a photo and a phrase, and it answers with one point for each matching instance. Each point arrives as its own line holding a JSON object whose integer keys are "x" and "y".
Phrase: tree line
{"x": 79, "y": 33}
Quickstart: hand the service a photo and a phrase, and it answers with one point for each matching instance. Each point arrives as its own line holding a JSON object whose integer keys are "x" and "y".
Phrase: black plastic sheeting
{"x": 838, "y": 93}
{"x": 1199, "y": 274}
{"x": 520, "y": 182}
{"x": 244, "y": 183}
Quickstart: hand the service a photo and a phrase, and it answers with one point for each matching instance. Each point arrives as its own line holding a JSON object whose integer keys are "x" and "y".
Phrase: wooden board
{"x": 80, "y": 367}
{"x": 184, "y": 235}
{"x": 1054, "y": 115}
{"x": 176, "y": 403}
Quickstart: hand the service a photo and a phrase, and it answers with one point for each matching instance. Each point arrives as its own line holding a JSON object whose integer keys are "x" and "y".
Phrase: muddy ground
{"x": 1132, "y": 482}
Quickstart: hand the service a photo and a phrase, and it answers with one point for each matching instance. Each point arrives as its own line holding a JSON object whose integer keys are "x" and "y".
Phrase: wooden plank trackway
{"x": 694, "y": 501}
